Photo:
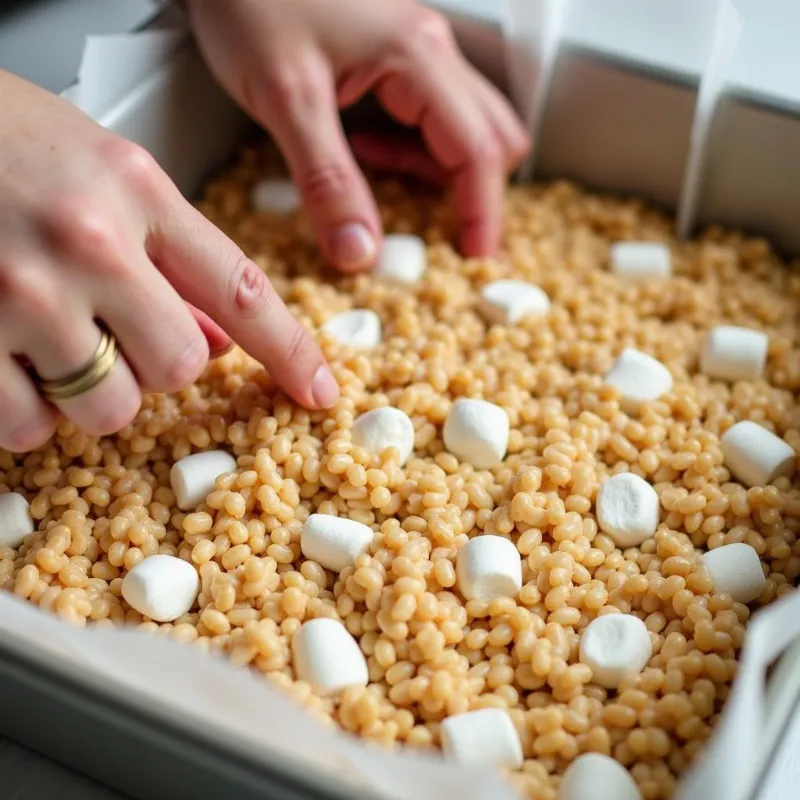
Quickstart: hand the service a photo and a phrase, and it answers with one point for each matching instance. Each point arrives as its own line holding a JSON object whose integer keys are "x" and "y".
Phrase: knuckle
{"x": 251, "y": 293}
{"x": 186, "y": 368}
{"x": 324, "y": 182}
{"x": 29, "y": 291}
{"x": 132, "y": 164}
{"x": 485, "y": 149}
{"x": 84, "y": 229}
{"x": 426, "y": 32}
{"x": 291, "y": 84}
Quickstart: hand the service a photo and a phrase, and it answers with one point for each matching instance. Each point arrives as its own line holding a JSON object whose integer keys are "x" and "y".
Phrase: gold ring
{"x": 87, "y": 377}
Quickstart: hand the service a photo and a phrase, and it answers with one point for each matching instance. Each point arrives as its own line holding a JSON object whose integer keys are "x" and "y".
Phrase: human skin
{"x": 94, "y": 233}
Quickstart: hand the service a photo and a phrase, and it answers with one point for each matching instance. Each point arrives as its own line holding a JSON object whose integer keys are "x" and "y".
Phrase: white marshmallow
{"x": 16, "y": 521}
{"x": 594, "y": 776}
{"x": 161, "y": 587}
{"x": 506, "y": 302}
{"x": 327, "y": 657}
{"x": 193, "y": 477}
{"x": 488, "y": 567}
{"x": 486, "y": 737}
{"x": 276, "y": 196}
{"x": 476, "y": 431}
{"x": 736, "y": 569}
{"x": 359, "y": 327}
{"x": 615, "y": 646}
{"x": 731, "y": 353}
{"x": 639, "y": 378}
{"x": 640, "y": 261}
{"x": 628, "y": 509}
{"x": 403, "y": 258}
{"x": 385, "y": 427}
{"x": 334, "y": 542}
{"x": 754, "y": 455}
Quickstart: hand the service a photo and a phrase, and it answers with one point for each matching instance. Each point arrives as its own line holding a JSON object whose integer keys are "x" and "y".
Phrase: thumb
{"x": 299, "y": 108}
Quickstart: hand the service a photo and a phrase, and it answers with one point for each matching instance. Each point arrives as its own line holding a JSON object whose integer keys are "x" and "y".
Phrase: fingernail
{"x": 352, "y": 246}
{"x": 222, "y": 351}
{"x": 324, "y": 388}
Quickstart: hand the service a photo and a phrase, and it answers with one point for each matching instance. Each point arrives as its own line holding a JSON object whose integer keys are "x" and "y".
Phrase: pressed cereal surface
{"x": 102, "y": 506}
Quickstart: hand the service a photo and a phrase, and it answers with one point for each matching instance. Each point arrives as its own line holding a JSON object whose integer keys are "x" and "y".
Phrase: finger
{"x": 26, "y": 421}
{"x": 397, "y": 155}
{"x": 211, "y": 273}
{"x": 300, "y": 109}
{"x": 219, "y": 342}
{"x": 504, "y": 120}
{"x": 162, "y": 343}
{"x": 460, "y": 137}
{"x": 67, "y": 349}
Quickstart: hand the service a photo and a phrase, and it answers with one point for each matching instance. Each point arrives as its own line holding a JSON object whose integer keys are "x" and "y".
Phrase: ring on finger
{"x": 86, "y": 378}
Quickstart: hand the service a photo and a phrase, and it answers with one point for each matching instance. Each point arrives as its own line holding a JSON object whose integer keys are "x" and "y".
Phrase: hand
{"x": 91, "y": 230}
{"x": 292, "y": 63}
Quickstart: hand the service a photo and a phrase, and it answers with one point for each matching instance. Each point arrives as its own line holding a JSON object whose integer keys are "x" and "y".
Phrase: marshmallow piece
{"x": 276, "y": 196}
{"x": 193, "y": 477}
{"x": 641, "y": 261}
{"x": 638, "y": 378}
{"x": 356, "y": 328}
{"x": 385, "y": 427}
{"x": 731, "y": 353}
{"x": 403, "y": 258}
{"x": 615, "y": 646}
{"x": 736, "y": 569}
{"x": 506, "y": 302}
{"x": 334, "y": 542}
{"x": 628, "y": 509}
{"x": 486, "y": 737}
{"x": 16, "y": 521}
{"x": 594, "y": 776}
{"x": 161, "y": 587}
{"x": 488, "y": 567}
{"x": 327, "y": 657}
{"x": 476, "y": 431}
{"x": 754, "y": 455}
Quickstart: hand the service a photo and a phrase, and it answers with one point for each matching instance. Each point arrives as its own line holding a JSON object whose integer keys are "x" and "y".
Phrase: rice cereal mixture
{"x": 103, "y": 505}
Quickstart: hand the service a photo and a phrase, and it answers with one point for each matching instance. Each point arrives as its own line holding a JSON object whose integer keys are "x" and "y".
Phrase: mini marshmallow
{"x": 385, "y": 427}
{"x": 161, "y": 587}
{"x": 193, "y": 477}
{"x": 486, "y": 737}
{"x": 506, "y": 302}
{"x": 754, "y": 455}
{"x": 476, "y": 431}
{"x": 594, "y": 776}
{"x": 639, "y": 378}
{"x": 334, "y": 542}
{"x": 359, "y": 327}
{"x": 640, "y": 261}
{"x": 403, "y": 258}
{"x": 628, "y": 509}
{"x": 16, "y": 521}
{"x": 615, "y": 646}
{"x": 488, "y": 567}
{"x": 731, "y": 353}
{"x": 276, "y": 196}
{"x": 327, "y": 657}
{"x": 736, "y": 569}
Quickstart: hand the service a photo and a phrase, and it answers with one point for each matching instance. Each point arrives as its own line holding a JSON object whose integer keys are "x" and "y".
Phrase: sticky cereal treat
{"x": 427, "y": 628}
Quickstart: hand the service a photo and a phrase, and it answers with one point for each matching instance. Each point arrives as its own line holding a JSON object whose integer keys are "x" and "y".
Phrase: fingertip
{"x": 478, "y": 240}
{"x": 324, "y": 388}
{"x": 351, "y": 247}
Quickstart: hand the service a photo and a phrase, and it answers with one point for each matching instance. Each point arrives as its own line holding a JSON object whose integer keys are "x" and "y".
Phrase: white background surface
{"x": 767, "y": 61}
